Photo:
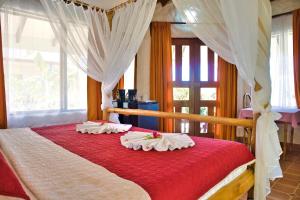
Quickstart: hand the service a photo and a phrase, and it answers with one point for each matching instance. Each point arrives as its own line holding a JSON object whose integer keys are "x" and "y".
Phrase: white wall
{"x": 143, "y": 69}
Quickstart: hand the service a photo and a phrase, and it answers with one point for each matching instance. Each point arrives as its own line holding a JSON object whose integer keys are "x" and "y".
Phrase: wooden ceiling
{"x": 163, "y": 2}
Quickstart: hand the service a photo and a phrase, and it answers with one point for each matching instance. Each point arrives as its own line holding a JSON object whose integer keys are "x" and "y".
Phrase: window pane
{"x": 185, "y": 110}
{"x": 76, "y": 90}
{"x": 203, "y": 110}
{"x": 208, "y": 93}
{"x": 281, "y": 62}
{"x": 32, "y": 65}
{"x": 77, "y": 87}
{"x": 216, "y": 67}
{"x": 203, "y": 125}
{"x": 129, "y": 76}
{"x": 181, "y": 93}
{"x": 185, "y": 63}
{"x": 204, "y": 63}
{"x": 173, "y": 63}
{"x": 185, "y": 123}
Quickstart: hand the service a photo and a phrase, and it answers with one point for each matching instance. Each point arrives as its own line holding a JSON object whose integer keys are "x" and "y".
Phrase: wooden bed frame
{"x": 239, "y": 186}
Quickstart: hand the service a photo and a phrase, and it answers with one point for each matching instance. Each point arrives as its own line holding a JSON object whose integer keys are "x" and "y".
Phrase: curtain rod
{"x": 120, "y": 5}
{"x": 84, "y": 4}
{"x": 177, "y": 22}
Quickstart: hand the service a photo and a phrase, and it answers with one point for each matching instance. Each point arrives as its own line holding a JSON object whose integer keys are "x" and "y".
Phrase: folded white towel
{"x": 98, "y": 128}
{"x": 159, "y": 142}
{"x": 86, "y": 126}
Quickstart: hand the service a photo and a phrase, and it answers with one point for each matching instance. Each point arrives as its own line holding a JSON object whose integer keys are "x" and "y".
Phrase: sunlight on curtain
{"x": 129, "y": 76}
{"x": 281, "y": 62}
{"x": 44, "y": 86}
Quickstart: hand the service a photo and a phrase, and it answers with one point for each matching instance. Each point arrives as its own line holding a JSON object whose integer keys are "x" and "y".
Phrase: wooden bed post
{"x": 253, "y": 135}
{"x": 105, "y": 115}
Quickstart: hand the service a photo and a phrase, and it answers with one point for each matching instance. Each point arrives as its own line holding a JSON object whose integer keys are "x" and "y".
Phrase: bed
{"x": 212, "y": 169}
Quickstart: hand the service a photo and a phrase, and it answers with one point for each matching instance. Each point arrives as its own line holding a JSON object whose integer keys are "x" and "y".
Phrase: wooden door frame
{"x": 195, "y": 84}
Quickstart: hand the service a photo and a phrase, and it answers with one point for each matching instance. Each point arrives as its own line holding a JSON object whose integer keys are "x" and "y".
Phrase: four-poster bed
{"x": 65, "y": 136}
{"x": 237, "y": 30}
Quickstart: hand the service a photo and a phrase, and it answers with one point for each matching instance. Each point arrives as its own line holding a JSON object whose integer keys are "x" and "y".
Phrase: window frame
{"x": 63, "y": 78}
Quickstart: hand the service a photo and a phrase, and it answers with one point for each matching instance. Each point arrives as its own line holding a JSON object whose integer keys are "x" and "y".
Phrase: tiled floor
{"x": 288, "y": 187}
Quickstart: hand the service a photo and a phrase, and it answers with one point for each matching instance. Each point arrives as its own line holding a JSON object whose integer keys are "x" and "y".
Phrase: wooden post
{"x": 253, "y": 135}
{"x": 105, "y": 115}
{"x": 291, "y": 139}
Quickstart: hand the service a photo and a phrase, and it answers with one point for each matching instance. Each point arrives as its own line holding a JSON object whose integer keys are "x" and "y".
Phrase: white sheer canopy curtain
{"x": 2, "y": 2}
{"x": 240, "y": 31}
{"x": 104, "y": 53}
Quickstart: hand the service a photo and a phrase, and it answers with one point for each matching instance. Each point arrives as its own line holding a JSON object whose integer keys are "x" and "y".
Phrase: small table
{"x": 288, "y": 116}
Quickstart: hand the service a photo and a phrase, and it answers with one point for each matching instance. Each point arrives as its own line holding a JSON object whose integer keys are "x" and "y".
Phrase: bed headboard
{"x": 248, "y": 124}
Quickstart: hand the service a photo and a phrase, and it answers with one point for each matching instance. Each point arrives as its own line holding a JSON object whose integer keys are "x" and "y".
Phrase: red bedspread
{"x": 180, "y": 174}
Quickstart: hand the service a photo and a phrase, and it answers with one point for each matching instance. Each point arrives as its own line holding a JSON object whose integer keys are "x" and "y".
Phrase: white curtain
{"x": 40, "y": 89}
{"x": 239, "y": 31}
{"x": 281, "y": 62}
{"x": 2, "y": 2}
{"x": 103, "y": 53}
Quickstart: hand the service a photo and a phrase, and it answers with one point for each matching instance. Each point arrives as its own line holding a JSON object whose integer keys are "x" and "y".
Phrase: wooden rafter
{"x": 163, "y": 2}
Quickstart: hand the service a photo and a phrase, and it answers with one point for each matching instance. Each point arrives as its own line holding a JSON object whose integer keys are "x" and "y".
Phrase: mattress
{"x": 183, "y": 174}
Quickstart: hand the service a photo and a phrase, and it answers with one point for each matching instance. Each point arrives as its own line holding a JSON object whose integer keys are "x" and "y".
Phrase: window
{"x": 40, "y": 77}
{"x": 194, "y": 70}
{"x": 281, "y": 62}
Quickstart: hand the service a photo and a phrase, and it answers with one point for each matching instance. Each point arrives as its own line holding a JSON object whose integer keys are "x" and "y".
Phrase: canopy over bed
{"x": 103, "y": 42}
